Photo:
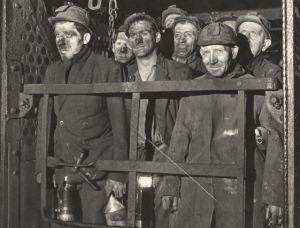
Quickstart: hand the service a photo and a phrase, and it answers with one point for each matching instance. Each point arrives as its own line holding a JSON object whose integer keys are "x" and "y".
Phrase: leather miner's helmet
{"x": 217, "y": 34}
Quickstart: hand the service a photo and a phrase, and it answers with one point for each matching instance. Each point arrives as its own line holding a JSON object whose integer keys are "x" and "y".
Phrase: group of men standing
{"x": 195, "y": 129}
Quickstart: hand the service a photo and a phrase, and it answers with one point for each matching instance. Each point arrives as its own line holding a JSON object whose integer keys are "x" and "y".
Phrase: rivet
{"x": 239, "y": 83}
{"x": 273, "y": 100}
{"x": 13, "y": 110}
{"x": 17, "y": 5}
{"x": 14, "y": 68}
{"x": 16, "y": 173}
{"x": 16, "y": 153}
{"x": 134, "y": 86}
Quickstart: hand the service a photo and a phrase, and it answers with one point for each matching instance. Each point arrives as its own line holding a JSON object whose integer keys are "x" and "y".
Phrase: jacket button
{"x": 85, "y": 124}
{"x": 61, "y": 122}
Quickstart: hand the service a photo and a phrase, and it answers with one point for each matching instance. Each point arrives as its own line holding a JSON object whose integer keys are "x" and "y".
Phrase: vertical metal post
{"x": 241, "y": 159}
{"x": 44, "y": 143}
{"x": 289, "y": 111}
{"x": 133, "y": 157}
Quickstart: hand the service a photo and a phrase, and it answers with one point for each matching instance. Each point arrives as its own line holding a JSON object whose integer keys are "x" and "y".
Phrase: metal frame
{"x": 133, "y": 166}
{"x": 288, "y": 7}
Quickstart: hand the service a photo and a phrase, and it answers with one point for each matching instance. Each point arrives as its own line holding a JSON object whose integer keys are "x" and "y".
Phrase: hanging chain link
{"x": 113, "y": 7}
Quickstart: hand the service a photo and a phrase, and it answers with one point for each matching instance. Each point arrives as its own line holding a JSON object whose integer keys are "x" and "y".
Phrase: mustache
{"x": 122, "y": 50}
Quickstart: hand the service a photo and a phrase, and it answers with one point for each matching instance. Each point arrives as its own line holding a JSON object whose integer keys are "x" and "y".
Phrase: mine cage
{"x": 28, "y": 47}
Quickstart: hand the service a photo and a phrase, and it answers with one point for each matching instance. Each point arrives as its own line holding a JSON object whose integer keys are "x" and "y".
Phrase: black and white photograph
{"x": 150, "y": 114}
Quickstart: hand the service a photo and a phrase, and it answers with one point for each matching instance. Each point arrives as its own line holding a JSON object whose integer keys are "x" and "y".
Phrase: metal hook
{"x": 96, "y": 7}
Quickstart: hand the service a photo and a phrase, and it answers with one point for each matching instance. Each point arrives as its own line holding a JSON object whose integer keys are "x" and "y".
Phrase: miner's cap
{"x": 73, "y": 14}
{"x": 256, "y": 18}
{"x": 216, "y": 34}
{"x": 139, "y": 17}
{"x": 172, "y": 10}
{"x": 190, "y": 19}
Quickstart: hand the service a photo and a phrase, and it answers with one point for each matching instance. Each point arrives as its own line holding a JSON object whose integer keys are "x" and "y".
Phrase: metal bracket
{"x": 25, "y": 104}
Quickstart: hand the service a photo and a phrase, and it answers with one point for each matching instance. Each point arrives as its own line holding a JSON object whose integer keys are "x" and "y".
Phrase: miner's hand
{"x": 170, "y": 202}
{"x": 118, "y": 188}
{"x": 274, "y": 216}
{"x": 38, "y": 178}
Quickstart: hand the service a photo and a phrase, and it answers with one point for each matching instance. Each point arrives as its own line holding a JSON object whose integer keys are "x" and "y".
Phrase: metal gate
{"x": 26, "y": 52}
{"x": 27, "y": 49}
{"x": 133, "y": 166}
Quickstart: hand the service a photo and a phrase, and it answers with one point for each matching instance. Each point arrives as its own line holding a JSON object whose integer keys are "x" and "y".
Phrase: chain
{"x": 113, "y": 7}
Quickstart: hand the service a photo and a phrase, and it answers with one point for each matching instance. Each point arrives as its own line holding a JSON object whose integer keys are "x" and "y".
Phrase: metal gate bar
{"x": 235, "y": 171}
{"x": 133, "y": 157}
{"x": 241, "y": 159}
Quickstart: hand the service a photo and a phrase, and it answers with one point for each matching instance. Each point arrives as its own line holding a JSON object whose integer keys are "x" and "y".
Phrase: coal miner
{"x": 166, "y": 43}
{"x": 186, "y": 31}
{"x": 88, "y": 127}
{"x": 156, "y": 115}
{"x": 206, "y": 132}
{"x": 256, "y": 29}
{"x": 121, "y": 49}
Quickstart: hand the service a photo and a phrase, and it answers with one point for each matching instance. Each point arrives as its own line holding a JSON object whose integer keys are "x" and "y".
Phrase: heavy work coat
{"x": 92, "y": 124}
{"x": 165, "y": 107}
{"x": 206, "y": 132}
{"x": 261, "y": 68}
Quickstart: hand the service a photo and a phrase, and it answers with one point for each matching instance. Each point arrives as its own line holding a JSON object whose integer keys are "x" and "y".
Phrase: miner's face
{"x": 256, "y": 36}
{"x": 142, "y": 38}
{"x": 217, "y": 59}
{"x": 68, "y": 40}
{"x": 185, "y": 39}
{"x": 121, "y": 48}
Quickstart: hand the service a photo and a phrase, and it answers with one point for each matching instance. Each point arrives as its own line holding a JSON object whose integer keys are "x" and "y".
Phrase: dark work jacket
{"x": 206, "y": 132}
{"x": 262, "y": 68}
{"x": 263, "y": 193}
{"x": 165, "y": 107}
{"x": 194, "y": 61}
{"x": 91, "y": 124}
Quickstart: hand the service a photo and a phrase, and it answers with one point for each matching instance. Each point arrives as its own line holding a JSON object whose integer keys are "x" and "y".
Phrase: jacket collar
{"x": 189, "y": 60}
{"x": 162, "y": 71}
{"x": 85, "y": 51}
{"x": 255, "y": 62}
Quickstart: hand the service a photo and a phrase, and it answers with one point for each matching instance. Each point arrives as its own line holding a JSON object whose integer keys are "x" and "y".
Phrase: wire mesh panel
{"x": 26, "y": 53}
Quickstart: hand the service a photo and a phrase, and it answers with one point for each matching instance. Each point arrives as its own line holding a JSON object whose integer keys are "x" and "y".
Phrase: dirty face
{"x": 256, "y": 36}
{"x": 185, "y": 39}
{"x": 68, "y": 40}
{"x": 122, "y": 50}
{"x": 142, "y": 38}
{"x": 170, "y": 20}
{"x": 216, "y": 58}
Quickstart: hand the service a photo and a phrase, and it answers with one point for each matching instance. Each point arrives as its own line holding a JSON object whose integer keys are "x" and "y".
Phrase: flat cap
{"x": 256, "y": 18}
{"x": 139, "y": 17}
{"x": 217, "y": 34}
{"x": 190, "y": 19}
{"x": 73, "y": 14}
{"x": 172, "y": 10}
